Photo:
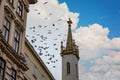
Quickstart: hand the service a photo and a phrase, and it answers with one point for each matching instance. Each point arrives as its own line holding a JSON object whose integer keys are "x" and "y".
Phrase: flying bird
{"x": 45, "y": 2}
{"x": 36, "y": 9}
{"x": 39, "y": 13}
{"x": 53, "y": 24}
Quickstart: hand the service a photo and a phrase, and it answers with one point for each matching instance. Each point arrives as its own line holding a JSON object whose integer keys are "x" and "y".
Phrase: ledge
{"x": 32, "y": 1}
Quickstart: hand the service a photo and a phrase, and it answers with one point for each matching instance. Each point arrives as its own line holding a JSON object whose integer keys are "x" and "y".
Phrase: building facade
{"x": 37, "y": 69}
{"x": 13, "y": 15}
{"x": 70, "y": 57}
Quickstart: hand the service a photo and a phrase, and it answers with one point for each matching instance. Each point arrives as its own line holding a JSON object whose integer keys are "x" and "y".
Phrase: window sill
{"x": 20, "y": 17}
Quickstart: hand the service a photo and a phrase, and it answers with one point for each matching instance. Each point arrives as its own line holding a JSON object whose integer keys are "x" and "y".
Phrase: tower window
{"x": 6, "y": 29}
{"x": 68, "y": 68}
{"x": 76, "y": 70}
{"x": 2, "y": 68}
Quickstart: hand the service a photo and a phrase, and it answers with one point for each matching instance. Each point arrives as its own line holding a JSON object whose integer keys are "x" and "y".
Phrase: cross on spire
{"x": 69, "y": 22}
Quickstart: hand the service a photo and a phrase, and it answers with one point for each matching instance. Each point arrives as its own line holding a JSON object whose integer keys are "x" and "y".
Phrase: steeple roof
{"x": 69, "y": 44}
{"x": 71, "y": 47}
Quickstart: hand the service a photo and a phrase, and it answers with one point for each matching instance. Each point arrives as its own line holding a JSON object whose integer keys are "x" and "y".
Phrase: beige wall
{"x": 34, "y": 59}
{"x": 72, "y": 59}
{"x": 11, "y": 64}
{"x": 12, "y": 59}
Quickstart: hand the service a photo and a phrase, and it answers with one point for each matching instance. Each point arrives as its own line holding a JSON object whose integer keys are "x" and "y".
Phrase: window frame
{"x": 19, "y": 8}
{"x": 2, "y": 67}
{"x": 16, "y": 41}
{"x": 42, "y": 77}
{"x": 13, "y": 75}
{"x": 26, "y": 59}
{"x": 35, "y": 71}
{"x": 25, "y": 78}
{"x": 6, "y": 29}
{"x": 0, "y": 2}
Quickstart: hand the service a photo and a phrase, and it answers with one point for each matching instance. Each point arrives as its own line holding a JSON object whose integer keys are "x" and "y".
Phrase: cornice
{"x": 68, "y": 52}
{"x": 20, "y": 25}
{"x": 26, "y": 5}
{"x": 10, "y": 12}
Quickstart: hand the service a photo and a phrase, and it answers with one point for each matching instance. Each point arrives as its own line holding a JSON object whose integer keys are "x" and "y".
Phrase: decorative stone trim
{"x": 10, "y": 12}
{"x": 11, "y": 54}
{"x": 20, "y": 25}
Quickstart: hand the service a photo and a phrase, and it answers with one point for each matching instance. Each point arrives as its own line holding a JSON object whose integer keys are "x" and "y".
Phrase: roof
{"x": 40, "y": 60}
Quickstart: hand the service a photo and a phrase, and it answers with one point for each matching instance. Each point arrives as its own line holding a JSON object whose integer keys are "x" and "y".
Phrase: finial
{"x": 69, "y": 22}
{"x": 62, "y": 46}
{"x": 61, "y": 42}
{"x": 73, "y": 41}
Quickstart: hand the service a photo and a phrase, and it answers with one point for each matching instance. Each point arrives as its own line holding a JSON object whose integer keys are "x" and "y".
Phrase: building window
{"x": 20, "y": 8}
{"x": 10, "y": 1}
{"x": 35, "y": 72}
{"x": 2, "y": 68}
{"x": 0, "y": 2}
{"x": 42, "y": 77}
{"x": 16, "y": 41}
{"x": 13, "y": 74}
{"x": 6, "y": 29}
{"x": 26, "y": 59}
{"x": 68, "y": 68}
{"x": 25, "y": 78}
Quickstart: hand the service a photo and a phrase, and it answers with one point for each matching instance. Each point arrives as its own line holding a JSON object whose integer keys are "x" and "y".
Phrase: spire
{"x": 71, "y": 47}
{"x": 69, "y": 44}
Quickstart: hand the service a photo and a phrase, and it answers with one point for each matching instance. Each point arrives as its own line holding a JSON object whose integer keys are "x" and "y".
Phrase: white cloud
{"x": 100, "y": 56}
{"x": 93, "y": 39}
{"x": 92, "y": 36}
{"x": 115, "y": 43}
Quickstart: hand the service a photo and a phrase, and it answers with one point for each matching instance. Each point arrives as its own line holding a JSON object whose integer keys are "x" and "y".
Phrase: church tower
{"x": 70, "y": 57}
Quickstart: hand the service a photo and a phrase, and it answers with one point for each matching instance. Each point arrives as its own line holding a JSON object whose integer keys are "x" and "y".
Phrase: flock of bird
{"x": 43, "y": 49}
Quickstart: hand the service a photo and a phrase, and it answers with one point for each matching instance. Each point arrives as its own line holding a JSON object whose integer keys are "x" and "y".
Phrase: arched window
{"x": 68, "y": 68}
{"x": 76, "y": 70}
{"x": 2, "y": 68}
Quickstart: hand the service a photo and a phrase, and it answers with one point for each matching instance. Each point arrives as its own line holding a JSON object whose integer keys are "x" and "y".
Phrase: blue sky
{"x": 103, "y": 12}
